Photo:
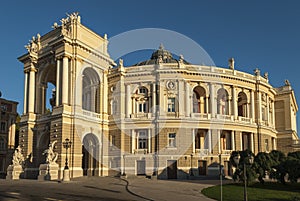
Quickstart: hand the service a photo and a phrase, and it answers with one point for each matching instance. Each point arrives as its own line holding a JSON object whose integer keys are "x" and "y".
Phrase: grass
{"x": 258, "y": 192}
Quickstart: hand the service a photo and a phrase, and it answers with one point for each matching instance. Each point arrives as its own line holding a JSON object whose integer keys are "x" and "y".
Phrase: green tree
{"x": 244, "y": 159}
{"x": 262, "y": 165}
{"x": 278, "y": 170}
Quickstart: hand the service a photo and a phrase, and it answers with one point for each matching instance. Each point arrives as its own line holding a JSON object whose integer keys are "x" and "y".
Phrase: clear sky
{"x": 258, "y": 34}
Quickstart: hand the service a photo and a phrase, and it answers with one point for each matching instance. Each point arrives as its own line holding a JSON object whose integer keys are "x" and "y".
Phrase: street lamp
{"x": 66, "y": 174}
{"x": 192, "y": 174}
{"x": 247, "y": 160}
{"x": 124, "y": 174}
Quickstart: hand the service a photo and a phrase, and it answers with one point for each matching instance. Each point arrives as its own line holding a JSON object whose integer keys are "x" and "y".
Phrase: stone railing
{"x": 200, "y": 115}
{"x": 245, "y": 119}
{"x": 224, "y": 117}
{"x": 226, "y": 152}
{"x": 140, "y": 151}
{"x": 141, "y": 116}
{"x": 201, "y": 152}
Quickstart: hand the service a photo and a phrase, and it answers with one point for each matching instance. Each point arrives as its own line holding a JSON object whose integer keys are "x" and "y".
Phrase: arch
{"x": 222, "y": 101}
{"x": 43, "y": 142}
{"x": 242, "y": 104}
{"x": 141, "y": 99}
{"x": 90, "y": 155}
{"x": 46, "y": 87}
{"x": 90, "y": 90}
{"x": 199, "y": 100}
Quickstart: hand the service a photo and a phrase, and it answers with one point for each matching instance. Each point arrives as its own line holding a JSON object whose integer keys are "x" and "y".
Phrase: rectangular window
{"x": 142, "y": 142}
{"x": 142, "y": 107}
{"x": 143, "y": 90}
{"x": 171, "y": 104}
{"x": 2, "y": 127}
{"x": 267, "y": 144}
{"x": 172, "y": 139}
{"x": 112, "y": 140}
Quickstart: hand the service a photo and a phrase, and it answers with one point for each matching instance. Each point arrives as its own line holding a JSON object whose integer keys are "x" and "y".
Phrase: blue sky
{"x": 258, "y": 34}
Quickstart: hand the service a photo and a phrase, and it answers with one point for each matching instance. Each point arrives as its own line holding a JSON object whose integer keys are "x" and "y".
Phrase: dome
{"x": 160, "y": 56}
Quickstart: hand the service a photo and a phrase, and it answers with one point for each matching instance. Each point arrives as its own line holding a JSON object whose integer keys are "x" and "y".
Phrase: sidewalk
{"x": 164, "y": 190}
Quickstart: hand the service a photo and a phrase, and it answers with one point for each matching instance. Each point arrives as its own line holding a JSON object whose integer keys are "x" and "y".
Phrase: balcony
{"x": 140, "y": 151}
{"x": 141, "y": 116}
{"x": 201, "y": 152}
{"x": 224, "y": 117}
{"x": 88, "y": 115}
{"x": 244, "y": 119}
{"x": 204, "y": 116}
{"x": 226, "y": 152}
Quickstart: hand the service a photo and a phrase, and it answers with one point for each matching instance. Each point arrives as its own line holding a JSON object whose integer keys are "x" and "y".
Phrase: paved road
{"x": 104, "y": 188}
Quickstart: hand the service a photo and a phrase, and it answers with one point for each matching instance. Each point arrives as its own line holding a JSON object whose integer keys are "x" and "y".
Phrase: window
{"x": 267, "y": 144}
{"x": 172, "y": 139}
{"x": 142, "y": 107}
{"x": 114, "y": 107}
{"x": 143, "y": 90}
{"x": 142, "y": 142}
{"x": 2, "y": 144}
{"x": 3, "y": 127}
{"x": 112, "y": 140}
{"x": 171, "y": 104}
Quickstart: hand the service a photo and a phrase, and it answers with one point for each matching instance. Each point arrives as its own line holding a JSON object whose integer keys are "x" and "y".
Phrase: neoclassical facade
{"x": 162, "y": 117}
{"x": 8, "y": 133}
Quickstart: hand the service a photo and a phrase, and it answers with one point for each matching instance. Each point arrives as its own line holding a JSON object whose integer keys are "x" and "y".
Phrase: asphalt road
{"x": 104, "y": 188}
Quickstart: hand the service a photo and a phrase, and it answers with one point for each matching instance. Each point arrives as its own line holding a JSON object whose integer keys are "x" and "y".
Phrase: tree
{"x": 278, "y": 170}
{"x": 239, "y": 171}
{"x": 262, "y": 165}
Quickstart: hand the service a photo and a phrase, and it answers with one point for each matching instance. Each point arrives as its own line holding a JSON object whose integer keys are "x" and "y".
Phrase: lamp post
{"x": 247, "y": 160}
{"x": 192, "y": 174}
{"x": 66, "y": 174}
{"x": 221, "y": 176}
{"x": 124, "y": 174}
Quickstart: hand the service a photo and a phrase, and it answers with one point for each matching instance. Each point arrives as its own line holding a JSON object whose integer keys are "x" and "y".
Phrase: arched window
{"x": 142, "y": 100}
{"x": 222, "y": 99}
{"x": 242, "y": 104}
{"x": 91, "y": 90}
{"x": 199, "y": 101}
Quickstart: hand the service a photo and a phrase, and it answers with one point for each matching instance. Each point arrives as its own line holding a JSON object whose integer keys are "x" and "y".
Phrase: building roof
{"x": 161, "y": 56}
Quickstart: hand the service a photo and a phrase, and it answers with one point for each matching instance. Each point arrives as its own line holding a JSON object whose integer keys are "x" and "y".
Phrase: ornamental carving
{"x": 34, "y": 44}
{"x": 171, "y": 85}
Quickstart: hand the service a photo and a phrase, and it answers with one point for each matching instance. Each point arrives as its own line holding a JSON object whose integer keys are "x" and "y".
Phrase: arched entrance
{"x": 90, "y": 158}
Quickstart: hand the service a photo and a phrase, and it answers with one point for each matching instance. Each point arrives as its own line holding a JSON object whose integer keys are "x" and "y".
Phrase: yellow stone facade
{"x": 163, "y": 117}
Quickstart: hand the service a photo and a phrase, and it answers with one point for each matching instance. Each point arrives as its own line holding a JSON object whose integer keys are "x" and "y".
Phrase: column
{"x": 268, "y": 109}
{"x": 247, "y": 110}
{"x": 229, "y": 105}
{"x": 241, "y": 140}
{"x": 259, "y": 106}
{"x": 187, "y": 100}
{"x": 235, "y": 113}
{"x": 149, "y": 140}
{"x": 232, "y": 140}
{"x": 65, "y": 80}
{"x": 209, "y": 140}
{"x": 252, "y": 105}
{"x": 57, "y": 101}
{"x": 132, "y": 141}
{"x": 153, "y": 99}
{"x": 105, "y": 92}
{"x": 25, "y": 93}
{"x": 252, "y": 142}
{"x": 133, "y": 106}
{"x": 219, "y": 143}
{"x": 128, "y": 105}
{"x": 92, "y": 99}
{"x": 206, "y": 104}
{"x": 273, "y": 113}
{"x": 212, "y": 100}
{"x": 31, "y": 97}
{"x": 193, "y": 140}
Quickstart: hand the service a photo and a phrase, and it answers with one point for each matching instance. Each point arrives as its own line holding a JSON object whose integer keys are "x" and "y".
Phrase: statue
{"x": 34, "y": 44}
{"x": 18, "y": 158}
{"x": 257, "y": 72}
{"x": 53, "y": 98}
{"x": 121, "y": 62}
{"x": 181, "y": 58}
{"x": 287, "y": 83}
{"x": 51, "y": 155}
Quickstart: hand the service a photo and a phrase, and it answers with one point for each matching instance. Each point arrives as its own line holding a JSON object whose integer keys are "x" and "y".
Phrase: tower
{"x": 74, "y": 61}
